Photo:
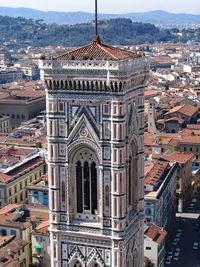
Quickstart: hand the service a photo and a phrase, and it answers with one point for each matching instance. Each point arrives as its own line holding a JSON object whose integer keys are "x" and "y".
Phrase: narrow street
{"x": 190, "y": 232}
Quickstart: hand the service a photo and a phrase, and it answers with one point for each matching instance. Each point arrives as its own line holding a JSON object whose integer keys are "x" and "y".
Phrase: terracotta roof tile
{"x": 154, "y": 232}
{"x": 153, "y": 175}
{"x": 190, "y": 140}
{"x": 176, "y": 120}
{"x": 97, "y": 51}
{"x": 4, "y": 178}
{"x": 178, "y": 157}
{"x": 185, "y": 109}
{"x": 193, "y": 126}
{"x": 42, "y": 228}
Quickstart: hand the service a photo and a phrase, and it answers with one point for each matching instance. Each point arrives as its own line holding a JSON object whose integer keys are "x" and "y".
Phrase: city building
{"x": 40, "y": 240}
{"x": 160, "y": 193}
{"x": 186, "y": 112}
{"x": 38, "y": 193}
{"x": 19, "y": 220}
{"x": 4, "y": 124}
{"x": 4, "y": 57}
{"x": 190, "y": 145}
{"x": 22, "y": 105}
{"x": 154, "y": 244}
{"x": 18, "y": 168}
{"x": 30, "y": 71}
{"x": 12, "y": 251}
{"x": 95, "y": 126}
{"x": 184, "y": 176}
{"x": 9, "y": 75}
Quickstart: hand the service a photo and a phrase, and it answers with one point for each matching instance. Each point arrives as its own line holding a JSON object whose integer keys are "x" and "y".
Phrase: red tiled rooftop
{"x": 175, "y": 120}
{"x": 26, "y": 166}
{"x": 190, "y": 140}
{"x": 193, "y": 126}
{"x": 97, "y": 51}
{"x": 4, "y": 178}
{"x": 154, "y": 232}
{"x": 155, "y": 172}
{"x": 178, "y": 157}
{"x": 185, "y": 109}
{"x": 16, "y": 151}
{"x": 42, "y": 228}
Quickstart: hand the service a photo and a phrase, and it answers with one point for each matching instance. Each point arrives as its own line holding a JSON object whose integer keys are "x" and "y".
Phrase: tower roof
{"x": 97, "y": 51}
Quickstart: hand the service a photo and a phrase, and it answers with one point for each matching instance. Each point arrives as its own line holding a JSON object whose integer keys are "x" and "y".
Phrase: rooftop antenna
{"x": 96, "y": 37}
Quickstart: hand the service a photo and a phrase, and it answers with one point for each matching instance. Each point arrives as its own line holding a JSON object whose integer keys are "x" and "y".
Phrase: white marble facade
{"x": 96, "y": 160}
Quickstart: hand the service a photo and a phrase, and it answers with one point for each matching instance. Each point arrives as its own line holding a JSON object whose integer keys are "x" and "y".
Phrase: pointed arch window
{"x": 63, "y": 191}
{"x": 79, "y": 187}
{"x": 86, "y": 187}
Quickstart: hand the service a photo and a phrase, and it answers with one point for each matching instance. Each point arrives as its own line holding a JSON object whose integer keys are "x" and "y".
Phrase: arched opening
{"x": 96, "y": 85}
{"x": 66, "y": 84}
{"x": 101, "y": 85}
{"x": 120, "y": 86}
{"x": 50, "y": 84}
{"x": 54, "y": 84}
{"x": 79, "y": 187}
{"x": 76, "y": 264}
{"x": 70, "y": 84}
{"x": 83, "y": 85}
{"x": 87, "y": 85}
{"x": 74, "y": 85}
{"x": 63, "y": 191}
{"x": 111, "y": 86}
{"x": 61, "y": 84}
{"x": 86, "y": 173}
{"x": 79, "y": 85}
{"x": 116, "y": 86}
{"x": 92, "y": 85}
{"x": 46, "y": 83}
{"x": 57, "y": 85}
{"x": 132, "y": 177}
{"x": 105, "y": 86}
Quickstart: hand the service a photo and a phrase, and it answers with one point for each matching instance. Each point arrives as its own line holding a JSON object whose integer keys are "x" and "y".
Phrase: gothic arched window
{"x": 79, "y": 187}
{"x": 77, "y": 264}
{"x": 132, "y": 176}
{"x": 86, "y": 185}
{"x": 63, "y": 191}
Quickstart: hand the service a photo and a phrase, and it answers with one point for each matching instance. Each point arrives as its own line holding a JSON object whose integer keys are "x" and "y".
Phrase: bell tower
{"x": 95, "y": 125}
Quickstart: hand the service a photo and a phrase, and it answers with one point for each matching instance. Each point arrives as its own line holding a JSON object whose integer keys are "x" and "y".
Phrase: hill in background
{"x": 155, "y": 17}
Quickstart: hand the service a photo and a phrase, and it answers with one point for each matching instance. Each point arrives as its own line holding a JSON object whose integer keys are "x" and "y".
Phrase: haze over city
{"x": 111, "y": 6}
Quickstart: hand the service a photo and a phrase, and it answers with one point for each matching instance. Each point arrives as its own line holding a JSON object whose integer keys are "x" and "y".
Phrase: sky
{"x": 108, "y": 6}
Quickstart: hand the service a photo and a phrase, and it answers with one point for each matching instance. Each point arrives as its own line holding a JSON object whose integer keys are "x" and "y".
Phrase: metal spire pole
{"x": 96, "y": 38}
{"x": 96, "y": 17}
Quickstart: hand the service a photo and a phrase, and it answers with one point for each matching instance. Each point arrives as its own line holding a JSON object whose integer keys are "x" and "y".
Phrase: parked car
{"x": 176, "y": 254}
{"x": 178, "y": 234}
{"x": 169, "y": 255}
{"x": 175, "y": 241}
{"x": 191, "y": 206}
{"x": 176, "y": 258}
{"x": 168, "y": 261}
{"x": 195, "y": 245}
